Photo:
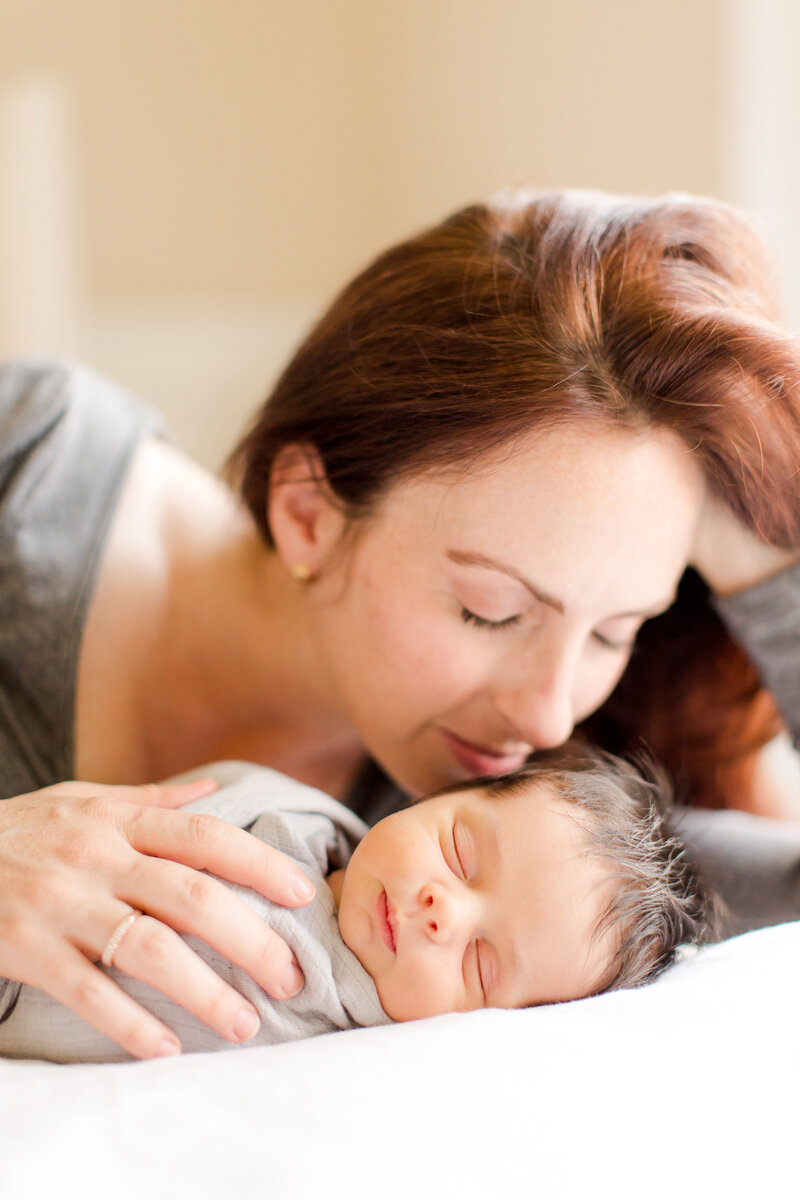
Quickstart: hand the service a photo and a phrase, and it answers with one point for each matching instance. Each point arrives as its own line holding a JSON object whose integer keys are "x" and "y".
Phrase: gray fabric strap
{"x": 67, "y": 438}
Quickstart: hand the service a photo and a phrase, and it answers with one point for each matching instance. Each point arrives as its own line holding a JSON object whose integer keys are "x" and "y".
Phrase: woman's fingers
{"x": 154, "y": 954}
{"x": 155, "y": 795}
{"x": 193, "y": 903}
{"x": 164, "y": 881}
{"x": 210, "y": 844}
{"x": 170, "y": 795}
{"x": 729, "y": 556}
{"x": 73, "y": 860}
{"x": 76, "y": 983}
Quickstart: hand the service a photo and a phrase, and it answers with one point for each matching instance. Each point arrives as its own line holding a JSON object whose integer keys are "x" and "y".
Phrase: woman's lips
{"x": 479, "y": 760}
{"x": 384, "y": 921}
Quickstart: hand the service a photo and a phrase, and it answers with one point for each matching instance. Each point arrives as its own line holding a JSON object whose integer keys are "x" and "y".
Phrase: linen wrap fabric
{"x": 319, "y": 834}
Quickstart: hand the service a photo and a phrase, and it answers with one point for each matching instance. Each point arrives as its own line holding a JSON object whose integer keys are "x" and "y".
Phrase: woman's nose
{"x": 538, "y": 706}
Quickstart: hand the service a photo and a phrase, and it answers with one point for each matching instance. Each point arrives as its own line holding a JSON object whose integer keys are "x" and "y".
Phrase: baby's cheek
{"x": 353, "y": 927}
{"x": 410, "y": 993}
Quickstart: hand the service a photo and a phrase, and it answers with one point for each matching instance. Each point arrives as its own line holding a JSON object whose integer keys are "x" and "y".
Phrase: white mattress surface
{"x": 687, "y": 1088}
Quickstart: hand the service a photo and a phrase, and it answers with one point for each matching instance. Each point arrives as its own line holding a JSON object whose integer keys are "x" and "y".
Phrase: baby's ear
{"x": 304, "y": 516}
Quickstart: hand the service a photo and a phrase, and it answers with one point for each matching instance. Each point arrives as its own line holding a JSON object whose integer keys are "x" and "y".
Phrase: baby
{"x": 555, "y": 883}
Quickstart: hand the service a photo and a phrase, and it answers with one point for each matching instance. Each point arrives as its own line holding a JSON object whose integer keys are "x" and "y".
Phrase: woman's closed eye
{"x": 620, "y": 642}
{"x": 619, "y": 646}
{"x": 471, "y": 618}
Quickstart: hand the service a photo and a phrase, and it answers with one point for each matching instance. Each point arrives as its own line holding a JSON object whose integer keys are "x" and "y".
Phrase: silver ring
{"x": 112, "y": 945}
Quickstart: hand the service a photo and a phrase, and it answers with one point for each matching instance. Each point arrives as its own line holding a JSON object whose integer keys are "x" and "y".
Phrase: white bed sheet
{"x": 687, "y": 1088}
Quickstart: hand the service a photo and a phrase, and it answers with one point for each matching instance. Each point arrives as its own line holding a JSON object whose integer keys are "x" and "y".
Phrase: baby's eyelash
{"x": 480, "y": 972}
{"x": 456, "y": 855}
{"x": 471, "y": 618}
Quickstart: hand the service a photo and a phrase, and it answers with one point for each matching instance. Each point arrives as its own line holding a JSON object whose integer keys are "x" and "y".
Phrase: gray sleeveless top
{"x": 67, "y": 437}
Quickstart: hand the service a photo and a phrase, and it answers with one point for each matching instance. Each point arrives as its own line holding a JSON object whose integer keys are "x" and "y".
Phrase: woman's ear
{"x": 304, "y": 518}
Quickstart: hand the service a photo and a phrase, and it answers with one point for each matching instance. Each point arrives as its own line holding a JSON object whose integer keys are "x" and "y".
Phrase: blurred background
{"x": 185, "y": 183}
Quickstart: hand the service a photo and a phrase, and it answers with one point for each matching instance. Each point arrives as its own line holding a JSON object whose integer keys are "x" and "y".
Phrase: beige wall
{"x": 184, "y": 182}
{"x": 210, "y": 135}
{"x": 247, "y": 147}
{"x": 617, "y": 94}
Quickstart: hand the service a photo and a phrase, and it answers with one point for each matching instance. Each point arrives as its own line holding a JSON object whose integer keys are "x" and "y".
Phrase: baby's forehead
{"x": 536, "y": 821}
{"x": 532, "y": 807}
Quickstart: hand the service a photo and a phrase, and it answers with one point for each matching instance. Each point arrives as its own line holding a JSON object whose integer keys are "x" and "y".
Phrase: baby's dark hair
{"x": 658, "y": 902}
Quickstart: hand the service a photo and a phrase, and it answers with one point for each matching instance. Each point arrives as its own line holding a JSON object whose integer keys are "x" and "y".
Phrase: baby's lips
{"x": 383, "y": 921}
{"x": 391, "y": 917}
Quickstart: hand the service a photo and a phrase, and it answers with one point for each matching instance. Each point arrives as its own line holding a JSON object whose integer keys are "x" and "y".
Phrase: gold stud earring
{"x": 301, "y": 572}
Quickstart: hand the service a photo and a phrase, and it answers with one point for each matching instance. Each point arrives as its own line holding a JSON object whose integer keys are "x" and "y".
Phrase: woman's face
{"x": 477, "y": 616}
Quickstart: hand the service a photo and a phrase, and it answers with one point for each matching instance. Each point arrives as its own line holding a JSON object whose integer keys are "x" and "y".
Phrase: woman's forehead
{"x": 574, "y": 508}
{"x": 591, "y": 450}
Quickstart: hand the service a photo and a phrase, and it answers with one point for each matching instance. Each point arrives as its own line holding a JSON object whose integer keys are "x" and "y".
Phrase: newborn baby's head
{"x": 557, "y": 882}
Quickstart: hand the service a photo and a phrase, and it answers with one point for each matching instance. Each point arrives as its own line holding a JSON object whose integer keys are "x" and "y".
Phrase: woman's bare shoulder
{"x": 168, "y": 509}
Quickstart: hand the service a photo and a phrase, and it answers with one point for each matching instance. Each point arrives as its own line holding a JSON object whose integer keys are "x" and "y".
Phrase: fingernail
{"x": 302, "y": 888}
{"x": 246, "y": 1024}
{"x": 292, "y": 980}
{"x": 167, "y": 1047}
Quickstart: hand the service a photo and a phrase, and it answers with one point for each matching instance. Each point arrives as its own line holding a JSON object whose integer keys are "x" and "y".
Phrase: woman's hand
{"x": 76, "y": 858}
{"x": 729, "y": 556}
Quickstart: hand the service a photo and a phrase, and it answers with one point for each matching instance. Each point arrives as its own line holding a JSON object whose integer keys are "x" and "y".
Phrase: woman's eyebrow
{"x": 467, "y": 558}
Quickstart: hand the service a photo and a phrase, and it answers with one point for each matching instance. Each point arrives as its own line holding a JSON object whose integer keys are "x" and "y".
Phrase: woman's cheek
{"x": 430, "y": 646}
{"x": 599, "y": 685}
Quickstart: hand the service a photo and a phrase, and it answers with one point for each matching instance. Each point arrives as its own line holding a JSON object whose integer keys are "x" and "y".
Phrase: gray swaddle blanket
{"x": 319, "y": 834}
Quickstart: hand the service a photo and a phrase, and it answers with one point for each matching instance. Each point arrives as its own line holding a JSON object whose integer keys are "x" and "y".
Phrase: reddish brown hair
{"x": 541, "y": 309}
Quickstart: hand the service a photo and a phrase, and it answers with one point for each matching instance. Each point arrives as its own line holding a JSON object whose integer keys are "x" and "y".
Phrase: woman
{"x": 486, "y": 467}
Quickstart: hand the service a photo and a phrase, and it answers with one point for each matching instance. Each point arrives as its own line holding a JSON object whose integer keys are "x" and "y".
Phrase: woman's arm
{"x": 757, "y": 594}
{"x": 730, "y": 557}
{"x": 75, "y": 858}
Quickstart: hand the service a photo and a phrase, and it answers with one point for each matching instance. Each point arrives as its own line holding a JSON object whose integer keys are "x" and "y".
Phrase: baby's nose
{"x": 439, "y": 912}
